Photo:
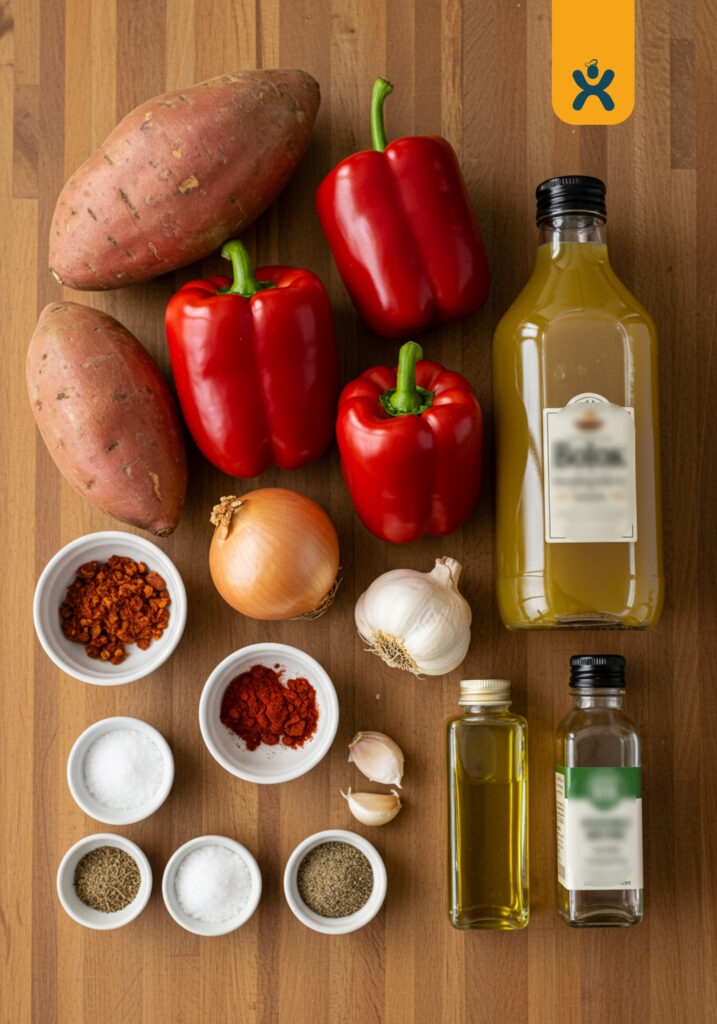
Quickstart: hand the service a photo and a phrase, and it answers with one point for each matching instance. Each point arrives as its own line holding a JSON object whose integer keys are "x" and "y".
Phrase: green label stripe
{"x": 603, "y": 787}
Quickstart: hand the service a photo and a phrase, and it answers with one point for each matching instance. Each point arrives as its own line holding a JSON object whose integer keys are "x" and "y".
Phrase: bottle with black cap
{"x": 576, "y": 404}
{"x": 598, "y": 790}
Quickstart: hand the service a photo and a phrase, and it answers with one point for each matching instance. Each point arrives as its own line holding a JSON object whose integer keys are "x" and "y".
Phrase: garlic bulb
{"x": 417, "y": 621}
{"x": 373, "y": 808}
{"x": 377, "y": 757}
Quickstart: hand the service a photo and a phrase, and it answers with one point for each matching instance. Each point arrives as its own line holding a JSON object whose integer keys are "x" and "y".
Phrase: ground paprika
{"x": 259, "y": 709}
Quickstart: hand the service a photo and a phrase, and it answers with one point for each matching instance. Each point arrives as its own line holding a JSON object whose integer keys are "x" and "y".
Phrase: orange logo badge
{"x": 593, "y": 60}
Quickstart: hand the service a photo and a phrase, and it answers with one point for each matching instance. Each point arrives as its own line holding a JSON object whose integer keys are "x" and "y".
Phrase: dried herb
{"x": 107, "y": 879}
{"x": 335, "y": 879}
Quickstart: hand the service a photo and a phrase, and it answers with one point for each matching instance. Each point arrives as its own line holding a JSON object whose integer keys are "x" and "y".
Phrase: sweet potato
{"x": 179, "y": 175}
{"x": 107, "y": 416}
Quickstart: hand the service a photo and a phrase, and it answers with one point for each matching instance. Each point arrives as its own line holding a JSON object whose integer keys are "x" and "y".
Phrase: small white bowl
{"x": 193, "y": 924}
{"x": 72, "y": 903}
{"x": 335, "y": 925}
{"x": 277, "y": 763}
{"x": 50, "y": 592}
{"x": 76, "y": 776}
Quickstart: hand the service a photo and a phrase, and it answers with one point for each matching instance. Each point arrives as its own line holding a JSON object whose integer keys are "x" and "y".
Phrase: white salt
{"x": 213, "y": 883}
{"x": 123, "y": 769}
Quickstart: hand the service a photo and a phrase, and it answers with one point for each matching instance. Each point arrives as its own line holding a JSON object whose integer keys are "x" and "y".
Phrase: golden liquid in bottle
{"x": 574, "y": 329}
{"x": 488, "y": 821}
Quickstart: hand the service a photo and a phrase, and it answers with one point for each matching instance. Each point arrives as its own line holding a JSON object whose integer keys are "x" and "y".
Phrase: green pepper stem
{"x": 245, "y": 281}
{"x": 381, "y": 89}
{"x": 407, "y": 398}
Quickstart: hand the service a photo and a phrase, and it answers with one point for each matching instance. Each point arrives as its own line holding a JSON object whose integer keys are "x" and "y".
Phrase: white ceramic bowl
{"x": 72, "y": 903}
{"x": 192, "y": 924}
{"x": 276, "y": 763}
{"x": 76, "y": 776}
{"x": 335, "y": 925}
{"x": 50, "y": 592}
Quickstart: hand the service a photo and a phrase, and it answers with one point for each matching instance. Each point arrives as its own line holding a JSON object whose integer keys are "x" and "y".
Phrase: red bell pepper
{"x": 255, "y": 365}
{"x": 403, "y": 232}
{"x": 411, "y": 447}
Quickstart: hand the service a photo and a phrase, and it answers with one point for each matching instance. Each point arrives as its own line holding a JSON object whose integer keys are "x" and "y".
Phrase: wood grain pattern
{"x": 477, "y": 72}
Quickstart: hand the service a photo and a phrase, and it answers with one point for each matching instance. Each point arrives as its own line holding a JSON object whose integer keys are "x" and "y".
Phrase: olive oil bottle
{"x": 487, "y": 810}
{"x": 577, "y": 439}
{"x": 598, "y": 791}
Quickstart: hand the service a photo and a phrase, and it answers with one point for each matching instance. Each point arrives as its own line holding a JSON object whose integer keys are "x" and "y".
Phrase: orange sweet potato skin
{"x": 107, "y": 416}
{"x": 179, "y": 175}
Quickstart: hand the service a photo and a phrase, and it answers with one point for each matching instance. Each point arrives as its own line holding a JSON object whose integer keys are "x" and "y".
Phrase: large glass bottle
{"x": 576, "y": 421}
{"x": 487, "y": 810}
{"x": 598, "y": 791}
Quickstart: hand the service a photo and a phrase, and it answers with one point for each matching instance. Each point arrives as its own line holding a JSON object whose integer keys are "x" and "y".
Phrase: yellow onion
{"x": 274, "y": 554}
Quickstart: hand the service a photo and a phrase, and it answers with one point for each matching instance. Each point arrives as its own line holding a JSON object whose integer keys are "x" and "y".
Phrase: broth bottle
{"x": 598, "y": 792}
{"x": 576, "y": 416}
{"x": 487, "y": 810}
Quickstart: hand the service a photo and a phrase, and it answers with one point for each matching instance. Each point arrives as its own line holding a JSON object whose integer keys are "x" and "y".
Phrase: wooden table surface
{"x": 478, "y": 73}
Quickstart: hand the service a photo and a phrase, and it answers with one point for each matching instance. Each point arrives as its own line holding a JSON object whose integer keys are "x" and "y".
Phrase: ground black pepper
{"x": 335, "y": 879}
{"x": 107, "y": 879}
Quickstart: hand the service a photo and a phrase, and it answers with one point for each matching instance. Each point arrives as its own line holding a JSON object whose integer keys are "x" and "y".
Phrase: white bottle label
{"x": 599, "y": 824}
{"x": 589, "y": 472}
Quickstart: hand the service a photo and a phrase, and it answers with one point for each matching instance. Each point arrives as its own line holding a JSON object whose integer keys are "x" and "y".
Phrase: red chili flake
{"x": 113, "y": 604}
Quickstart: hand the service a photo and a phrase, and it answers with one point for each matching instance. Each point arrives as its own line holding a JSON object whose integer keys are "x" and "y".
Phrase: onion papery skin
{"x": 277, "y": 557}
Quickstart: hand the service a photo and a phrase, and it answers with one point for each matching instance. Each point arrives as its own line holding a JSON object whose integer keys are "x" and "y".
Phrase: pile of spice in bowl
{"x": 112, "y": 604}
{"x": 335, "y": 881}
{"x": 104, "y": 881}
{"x": 259, "y": 709}
{"x": 120, "y": 770}
{"x": 109, "y": 608}
{"x": 211, "y": 885}
{"x": 107, "y": 879}
{"x": 268, "y": 713}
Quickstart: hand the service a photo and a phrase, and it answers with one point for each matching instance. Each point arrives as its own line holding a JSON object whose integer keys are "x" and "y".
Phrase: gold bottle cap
{"x": 484, "y": 691}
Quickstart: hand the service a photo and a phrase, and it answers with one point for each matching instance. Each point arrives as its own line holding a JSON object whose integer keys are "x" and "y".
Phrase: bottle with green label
{"x": 487, "y": 810}
{"x": 598, "y": 791}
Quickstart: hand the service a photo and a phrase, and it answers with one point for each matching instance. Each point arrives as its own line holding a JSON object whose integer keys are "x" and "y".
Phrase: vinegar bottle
{"x": 598, "y": 792}
{"x": 576, "y": 419}
{"x": 487, "y": 810}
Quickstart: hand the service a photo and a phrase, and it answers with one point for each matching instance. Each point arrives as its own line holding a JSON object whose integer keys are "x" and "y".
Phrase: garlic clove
{"x": 373, "y": 808}
{"x": 378, "y": 757}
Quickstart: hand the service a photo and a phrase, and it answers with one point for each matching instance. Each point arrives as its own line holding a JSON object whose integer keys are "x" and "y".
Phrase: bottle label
{"x": 599, "y": 819}
{"x": 589, "y": 472}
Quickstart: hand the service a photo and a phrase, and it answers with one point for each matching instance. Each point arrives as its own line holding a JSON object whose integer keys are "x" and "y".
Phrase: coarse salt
{"x": 213, "y": 883}
{"x": 123, "y": 769}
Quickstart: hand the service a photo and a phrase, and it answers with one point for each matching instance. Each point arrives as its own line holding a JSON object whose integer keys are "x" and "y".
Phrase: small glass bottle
{"x": 487, "y": 810}
{"x": 598, "y": 791}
